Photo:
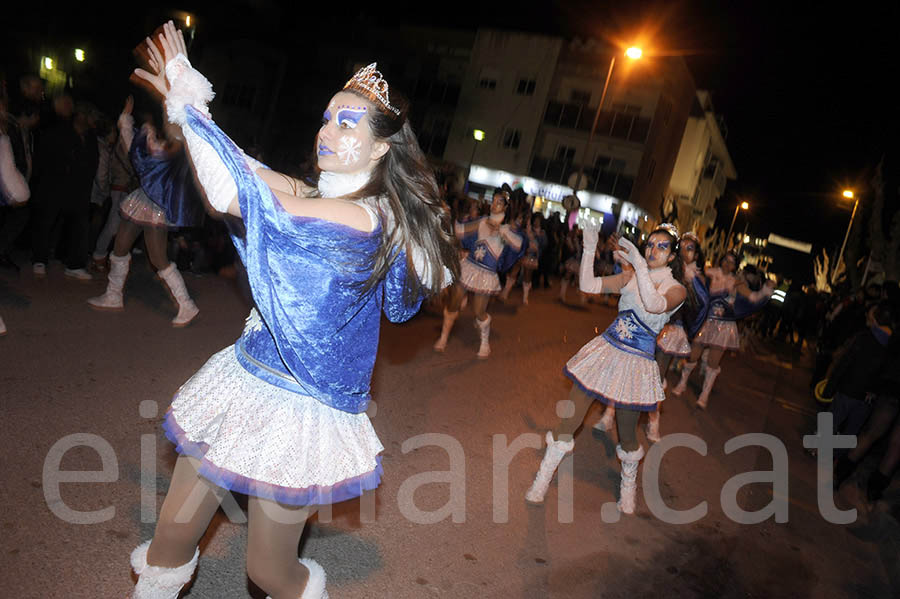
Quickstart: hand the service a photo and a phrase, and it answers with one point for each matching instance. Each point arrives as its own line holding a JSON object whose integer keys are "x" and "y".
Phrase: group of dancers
{"x": 280, "y": 415}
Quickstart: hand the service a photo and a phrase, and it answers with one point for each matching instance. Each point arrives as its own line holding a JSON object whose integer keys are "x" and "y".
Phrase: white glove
{"x": 186, "y": 86}
{"x": 654, "y": 302}
{"x": 513, "y": 239}
{"x": 590, "y": 236}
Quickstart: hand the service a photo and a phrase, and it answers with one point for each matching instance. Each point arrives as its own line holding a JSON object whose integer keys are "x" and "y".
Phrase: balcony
{"x": 603, "y": 181}
{"x": 580, "y": 117}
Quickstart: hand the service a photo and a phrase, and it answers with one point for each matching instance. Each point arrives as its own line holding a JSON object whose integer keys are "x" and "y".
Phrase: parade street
{"x": 86, "y": 391}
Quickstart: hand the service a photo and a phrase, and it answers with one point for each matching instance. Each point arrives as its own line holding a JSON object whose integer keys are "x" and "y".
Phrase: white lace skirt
{"x": 258, "y": 439}
{"x": 673, "y": 341}
{"x": 616, "y": 377}
{"x": 138, "y": 208}
{"x": 720, "y": 333}
{"x": 477, "y": 279}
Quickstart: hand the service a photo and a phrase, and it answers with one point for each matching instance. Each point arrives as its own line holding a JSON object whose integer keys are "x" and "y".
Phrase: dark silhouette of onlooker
{"x": 67, "y": 162}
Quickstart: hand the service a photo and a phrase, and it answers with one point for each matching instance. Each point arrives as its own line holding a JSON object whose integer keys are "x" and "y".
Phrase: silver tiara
{"x": 371, "y": 82}
{"x": 671, "y": 229}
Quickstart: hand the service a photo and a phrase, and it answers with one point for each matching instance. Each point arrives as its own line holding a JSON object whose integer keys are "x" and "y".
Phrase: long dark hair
{"x": 421, "y": 219}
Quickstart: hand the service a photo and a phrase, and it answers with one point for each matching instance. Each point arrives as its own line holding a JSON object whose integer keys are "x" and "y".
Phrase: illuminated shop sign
{"x": 550, "y": 191}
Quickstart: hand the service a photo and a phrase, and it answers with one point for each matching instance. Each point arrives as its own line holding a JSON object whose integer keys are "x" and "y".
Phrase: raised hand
{"x": 591, "y": 235}
{"x": 629, "y": 252}
{"x": 167, "y": 45}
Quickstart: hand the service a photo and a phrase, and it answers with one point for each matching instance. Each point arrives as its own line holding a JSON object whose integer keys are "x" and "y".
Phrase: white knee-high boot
{"x": 187, "y": 309}
{"x": 556, "y": 451}
{"x": 652, "y": 429}
{"x": 526, "y": 287}
{"x": 686, "y": 371}
{"x": 484, "y": 331}
{"x": 446, "y": 327}
{"x": 708, "y": 381}
{"x": 157, "y": 582}
{"x": 315, "y": 585}
{"x": 607, "y": 421}
{"x": 628, "y": 488}
{"x": 118, "y": 272}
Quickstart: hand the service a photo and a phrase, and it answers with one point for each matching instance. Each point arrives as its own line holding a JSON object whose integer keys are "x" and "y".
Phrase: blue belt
{"x": 629, "y": 334}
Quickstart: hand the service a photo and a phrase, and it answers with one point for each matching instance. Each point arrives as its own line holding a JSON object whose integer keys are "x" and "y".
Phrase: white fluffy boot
{"x": 556, "y": 451}
{"x": 315, "y": 586}
{"x": 708, "y": 381}
{"x": 628, "y": 488}
{"x": 449, "y": 319}
{"x": 484, "y": 330}
{"x": 156, "y": 582}
{"x": 187, "y": 309}
{"x": 686, "y": 371}
{"x": 607, "y": 421}
{"x": 118, "y": 272}
{"x": 652, "y": 429}
{"x": 526, "y": 287}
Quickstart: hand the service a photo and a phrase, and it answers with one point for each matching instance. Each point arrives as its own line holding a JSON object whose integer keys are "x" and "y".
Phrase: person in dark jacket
{"x": 853, "y": 375}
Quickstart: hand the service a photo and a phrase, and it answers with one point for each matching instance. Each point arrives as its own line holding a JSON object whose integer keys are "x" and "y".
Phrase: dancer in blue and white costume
{"x": 730, "y": 299}
{"x": 165, "y": 199}
{"x": 617, "y": 367}
{"x": 280, "y": 415}
{"x": 494, "y": 247}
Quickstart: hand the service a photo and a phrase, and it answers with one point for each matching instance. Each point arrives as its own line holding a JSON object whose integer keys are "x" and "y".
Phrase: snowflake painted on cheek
{"x": 348, "y": 150}
{"x": 480, "y": 252}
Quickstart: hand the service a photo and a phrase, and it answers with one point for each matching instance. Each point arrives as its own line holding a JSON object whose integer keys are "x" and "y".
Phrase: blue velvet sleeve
{"x": 394, "y": 305}
{"x": 702, "y": 294}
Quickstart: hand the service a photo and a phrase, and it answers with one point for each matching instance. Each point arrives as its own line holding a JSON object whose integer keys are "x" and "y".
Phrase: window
{"x": 511, "y": 139}
{"x": 526, "y": 87}
{"x": 565, "y": 153}
{"x": 486, "y": 83}
{"x": 580, "y": 96}
{"x": 651, "y": 169}
{"x": 488, "y": 78}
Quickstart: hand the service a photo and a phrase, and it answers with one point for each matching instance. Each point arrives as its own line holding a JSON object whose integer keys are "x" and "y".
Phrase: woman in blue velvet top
{"x": 280, "y": 415}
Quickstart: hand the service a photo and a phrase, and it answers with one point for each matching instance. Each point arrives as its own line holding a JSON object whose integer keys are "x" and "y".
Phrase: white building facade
{"x": 703, "y": 167}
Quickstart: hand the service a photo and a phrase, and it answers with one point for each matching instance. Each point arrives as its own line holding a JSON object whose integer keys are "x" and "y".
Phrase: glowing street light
{"x": 79, "y": 54}
{"x": 633, "y": 53}
{"x": 741, "y": 206}
{"x": 848, "y": 194}
{"x": 478, "y": 135}
{"x": 187, "y": 21}
{"x": 48, "y": 63}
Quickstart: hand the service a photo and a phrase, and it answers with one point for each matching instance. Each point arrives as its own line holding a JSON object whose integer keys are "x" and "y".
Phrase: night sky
{"x": 804, "y": 89}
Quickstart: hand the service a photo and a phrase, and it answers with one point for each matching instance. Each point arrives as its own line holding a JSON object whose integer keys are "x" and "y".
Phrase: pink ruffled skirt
{"x": 673, "y": 341}
{"x": 138, "y": 208}
{"x": 720, "y": 333}
{"x": 477, "y": 279}
{"x": 616, "y": 377}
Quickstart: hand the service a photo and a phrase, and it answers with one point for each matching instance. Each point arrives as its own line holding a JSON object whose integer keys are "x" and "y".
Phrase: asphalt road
{"x": 73, "y": 383}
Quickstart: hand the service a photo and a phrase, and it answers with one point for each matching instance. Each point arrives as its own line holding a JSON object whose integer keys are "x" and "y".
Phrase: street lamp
{"x": 79, "y": 54}
{"x": 632, "y": 53}
{"x": 847, "y": 193}
{"x": 741, "y": 206}
{"x": 478, "y": 136}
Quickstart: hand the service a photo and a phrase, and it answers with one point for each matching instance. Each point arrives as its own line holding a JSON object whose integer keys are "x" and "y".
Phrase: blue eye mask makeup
{"x": 350, "y": 116}
{"x": 660, "y": 245}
